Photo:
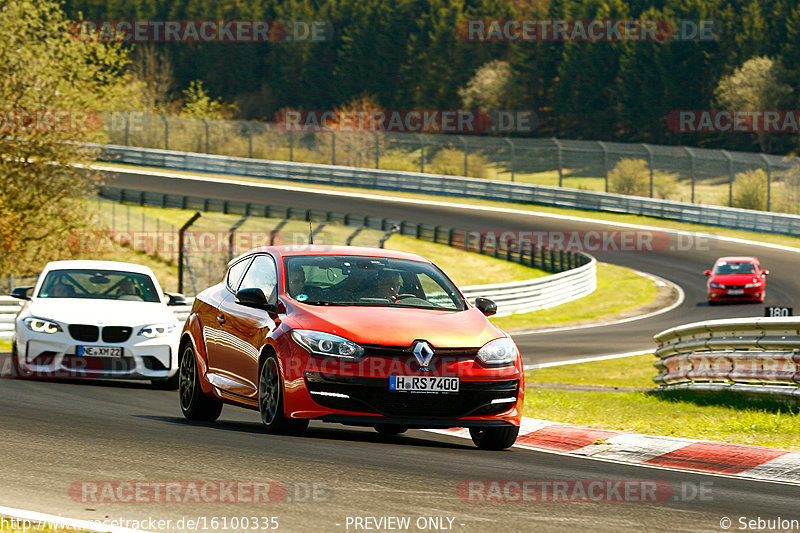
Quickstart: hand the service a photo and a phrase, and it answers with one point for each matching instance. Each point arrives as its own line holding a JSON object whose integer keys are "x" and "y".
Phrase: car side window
{"x": 262, "y": 274}
{"x": 235, "y": 274}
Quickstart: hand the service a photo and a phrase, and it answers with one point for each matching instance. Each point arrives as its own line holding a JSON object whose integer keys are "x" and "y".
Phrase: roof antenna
{"x": 310, "y": 234}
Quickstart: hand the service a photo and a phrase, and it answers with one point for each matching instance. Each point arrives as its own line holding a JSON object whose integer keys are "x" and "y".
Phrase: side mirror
{"x": 21, "y": 292}
{"x": 175, "y": 298}
{"x": 707, "y": 273}
{"x": 255, "y": 298}
{"x": 486, "y": 306}
{"x": 764, "y": 272}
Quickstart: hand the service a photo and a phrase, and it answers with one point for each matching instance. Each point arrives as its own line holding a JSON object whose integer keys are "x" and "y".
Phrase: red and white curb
{"x": 755, "y": 462}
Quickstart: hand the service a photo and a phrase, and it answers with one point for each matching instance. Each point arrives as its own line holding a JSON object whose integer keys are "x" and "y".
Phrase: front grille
{"x": 372, "y": 395}
{"x": 441, "y": 356}
{"x": 84, "y": 332}
{"x": 116, "y": 333}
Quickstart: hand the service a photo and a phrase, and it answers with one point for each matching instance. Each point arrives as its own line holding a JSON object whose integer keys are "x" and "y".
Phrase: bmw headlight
{"x": 320, "y": 343}
{"x": 40, "y": 325}
{"x": 156, "y": 330}
{"x": 501, "y": 351}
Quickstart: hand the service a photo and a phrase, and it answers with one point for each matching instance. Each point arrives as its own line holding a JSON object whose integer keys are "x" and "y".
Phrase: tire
{"x": 17, "y": 372}
{"x": 167, "y": 383}
{"x": 195, "y": 405}
{"x": 497, "y": 438}
{"x": 270, "y": 400}
{"x": 390, "y": 429}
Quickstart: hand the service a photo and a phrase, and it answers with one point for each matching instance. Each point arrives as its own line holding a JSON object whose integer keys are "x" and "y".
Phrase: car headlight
{"x": 751, "y": 285}
{"x": 321, "y": 343}
{"x": 716, "y": 285}
{"x": 156, "y": 330}
{"x": 40, "y": 325}
{"x": 501, "y": 351}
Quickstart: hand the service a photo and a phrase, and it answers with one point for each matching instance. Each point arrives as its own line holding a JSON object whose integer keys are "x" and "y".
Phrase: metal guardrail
{"x": 505, "y": 191}
{"x": 538, "y": 293}
{"x": 754, "y": 355}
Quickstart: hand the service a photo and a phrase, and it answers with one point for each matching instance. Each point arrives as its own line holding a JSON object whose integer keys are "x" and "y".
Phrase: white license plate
{"x": 100, "y": 351}
{"x": 735, "y": 291}
{"x": 423, "y": 384}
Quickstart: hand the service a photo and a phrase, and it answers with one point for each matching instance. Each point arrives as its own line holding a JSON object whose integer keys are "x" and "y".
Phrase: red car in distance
{"x": 736, "y": 279}
{"x": 359, "y": 336}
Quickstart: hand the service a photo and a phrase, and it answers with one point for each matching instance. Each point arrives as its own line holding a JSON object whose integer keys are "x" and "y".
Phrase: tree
{"x": 488, "y": 88}
{"x": 52, "y": 88}
{"x": 755, "y": 86}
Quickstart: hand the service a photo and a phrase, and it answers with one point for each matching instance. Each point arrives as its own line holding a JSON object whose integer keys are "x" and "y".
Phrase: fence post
{"x": 560, "y": 156}
{"x": 421, "y": 154}
{"x": 730, "y": 177}
{"x": 333, "y": 148}
{"x": 166, "y": 132}
{"x": 691, "y": 168}
{"x": 249, "y": 140}
{"x": 769, "y": 179}
{"x": 127, "y": 127}
{"x": 181, "y": 233}
{"x": 649, "y": 164}
{"x": 511, "y": 143}
{"x": 291, "y": 145}
{"x": 205, "y": 123}
{"x": 377, "y": 150}
{"x": 605, "y": 160}
{"x": 466, "y": 152}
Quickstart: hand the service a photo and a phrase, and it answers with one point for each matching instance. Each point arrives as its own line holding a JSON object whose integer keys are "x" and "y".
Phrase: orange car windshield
{"x": 369, "y": 281}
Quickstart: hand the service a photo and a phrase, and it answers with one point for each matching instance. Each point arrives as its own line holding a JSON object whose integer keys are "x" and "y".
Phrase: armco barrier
{"x": 505, "y": 191}
{"x": 755, "y": 355}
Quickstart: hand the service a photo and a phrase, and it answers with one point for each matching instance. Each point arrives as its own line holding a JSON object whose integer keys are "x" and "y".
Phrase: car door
{"x": 246, "y": 328}
{"x": 213, "y": 316}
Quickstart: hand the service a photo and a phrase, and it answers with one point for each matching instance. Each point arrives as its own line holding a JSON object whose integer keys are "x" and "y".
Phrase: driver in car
{"x": 389, "y": 284}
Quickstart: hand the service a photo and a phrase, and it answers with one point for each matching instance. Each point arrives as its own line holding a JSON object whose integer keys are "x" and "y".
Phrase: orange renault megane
{"x": 358, "y": 336}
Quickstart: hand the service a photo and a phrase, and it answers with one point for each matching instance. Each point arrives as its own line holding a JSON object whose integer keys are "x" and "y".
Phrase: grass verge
{"x": 720, "y": 417}
{"x": 619, "y": 291}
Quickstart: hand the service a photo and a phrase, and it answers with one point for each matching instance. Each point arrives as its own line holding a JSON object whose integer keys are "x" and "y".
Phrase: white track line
{"x": 59, "y": 522}
{"x": 536, "y": 366}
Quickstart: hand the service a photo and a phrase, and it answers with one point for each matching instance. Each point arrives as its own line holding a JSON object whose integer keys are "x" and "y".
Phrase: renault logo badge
{"x": 423, "y": 353}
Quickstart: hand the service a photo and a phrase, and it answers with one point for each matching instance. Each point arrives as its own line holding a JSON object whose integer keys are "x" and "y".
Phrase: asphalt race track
{"x": 60, "y": 437}
{"x": 56, "y": 434}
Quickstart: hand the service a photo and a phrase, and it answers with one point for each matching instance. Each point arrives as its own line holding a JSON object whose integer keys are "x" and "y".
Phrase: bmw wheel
{"x": 195, "y": 405}
{"x": 496, "y": 438}
{"x": 270, "y": 401}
